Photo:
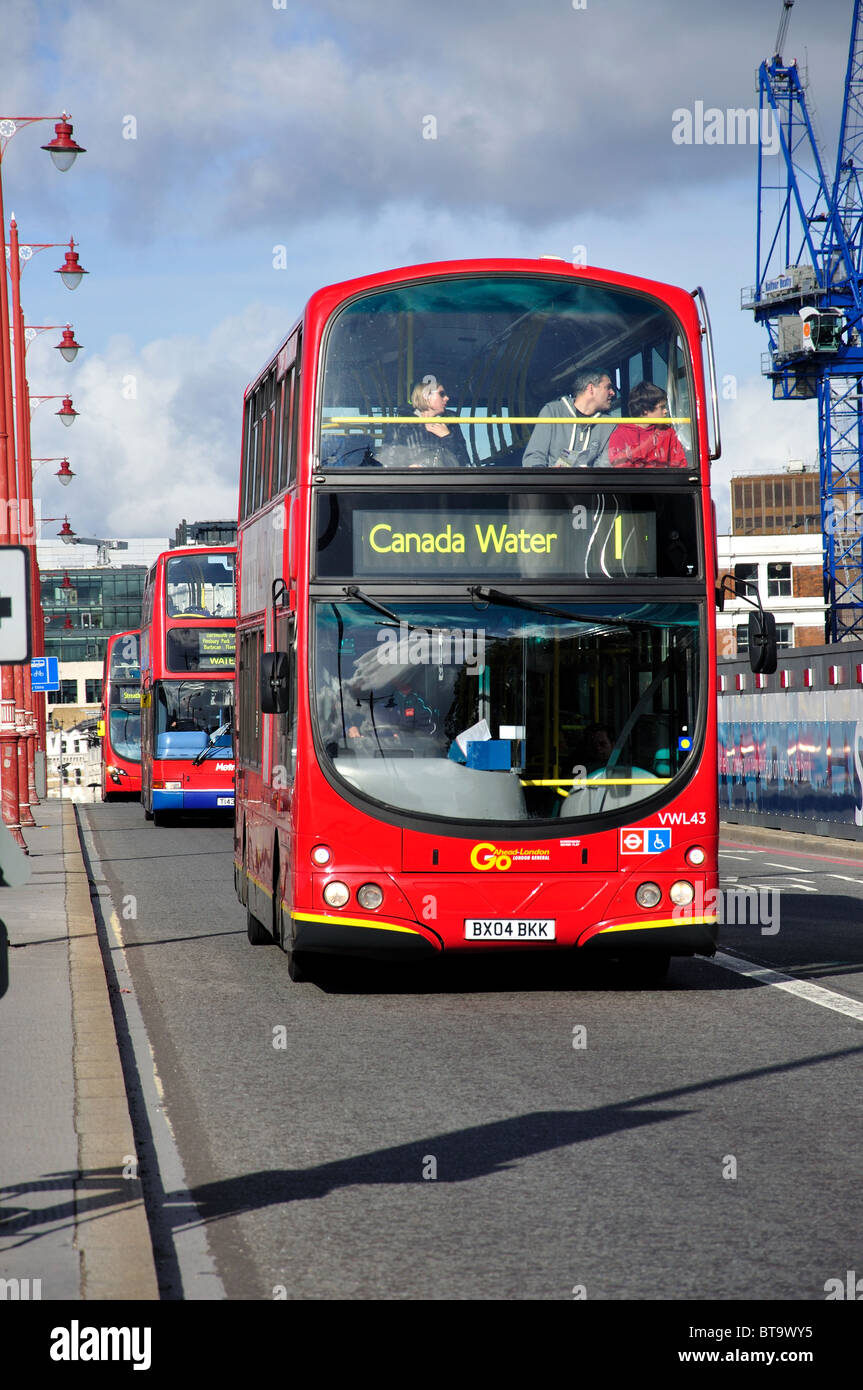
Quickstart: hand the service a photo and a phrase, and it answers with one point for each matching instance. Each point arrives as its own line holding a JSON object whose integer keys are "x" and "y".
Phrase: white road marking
{"x": 782, "y": 886}
{"x": 197, "y": 1268}
{"x": 845, "y": 878}
{"x": 796, "y": 867}
{"x": 724, "y": 854}
{"x": 813, "y": 994}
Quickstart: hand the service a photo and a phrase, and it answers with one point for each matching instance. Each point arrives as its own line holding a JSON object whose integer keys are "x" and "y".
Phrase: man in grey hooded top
{"x": 583, "y": 444}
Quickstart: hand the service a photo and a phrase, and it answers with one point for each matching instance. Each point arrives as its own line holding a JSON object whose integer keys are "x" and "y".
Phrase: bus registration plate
{"x": 224, "y": 801}
{"x": 509, "y": 928}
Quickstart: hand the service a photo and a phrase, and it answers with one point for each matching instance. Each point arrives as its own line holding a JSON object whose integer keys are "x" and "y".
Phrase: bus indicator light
{"x": 648, "y": 894}
{"x": 370, "y": 896}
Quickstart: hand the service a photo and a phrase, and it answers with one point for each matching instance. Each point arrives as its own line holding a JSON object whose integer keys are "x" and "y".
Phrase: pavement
{"x": 73, "y": 1224}
{"x": 739, "y": 833}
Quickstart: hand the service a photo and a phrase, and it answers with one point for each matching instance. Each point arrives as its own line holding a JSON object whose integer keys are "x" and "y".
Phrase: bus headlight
{"x": 173, "y": 786}
{"x": 648, "y": 894}
{"x": 695, "y": 856}
{"x": 336, "y": 894}
{"x": 370, "y": 896}
{"x": 321, "y": 854}
{"x": 681, "y": 893}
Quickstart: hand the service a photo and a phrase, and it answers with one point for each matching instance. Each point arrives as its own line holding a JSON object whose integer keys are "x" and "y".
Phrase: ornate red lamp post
{"x": 33, "y": 720}
{"x": 15, "y": 691}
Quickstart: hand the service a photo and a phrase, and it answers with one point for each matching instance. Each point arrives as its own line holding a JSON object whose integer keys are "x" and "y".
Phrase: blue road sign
{"x": 45, "y": 672}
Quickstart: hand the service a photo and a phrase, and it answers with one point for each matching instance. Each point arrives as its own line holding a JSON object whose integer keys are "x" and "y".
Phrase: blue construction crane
{"x": 809, "y": 295}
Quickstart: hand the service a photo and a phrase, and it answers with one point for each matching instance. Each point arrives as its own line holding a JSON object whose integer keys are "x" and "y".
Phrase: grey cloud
{"x": 247, "y": 113}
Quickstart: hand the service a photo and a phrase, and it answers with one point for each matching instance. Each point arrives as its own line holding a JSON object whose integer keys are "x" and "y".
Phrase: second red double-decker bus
{"x": 120, "y": 716}
{"x": 476, "y": 679}
{"x": 187, "y": 682}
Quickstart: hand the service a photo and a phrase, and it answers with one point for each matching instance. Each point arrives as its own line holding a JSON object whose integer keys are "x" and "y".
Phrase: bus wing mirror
{"x": 275, "y": 687}
{"x": 763, "y": 652}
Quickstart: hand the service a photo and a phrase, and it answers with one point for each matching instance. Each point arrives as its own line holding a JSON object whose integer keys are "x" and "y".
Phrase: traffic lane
{"x": 431, "y": 1145}
{"x": 795, "y": 911}
{"x": 307, "y": 1118}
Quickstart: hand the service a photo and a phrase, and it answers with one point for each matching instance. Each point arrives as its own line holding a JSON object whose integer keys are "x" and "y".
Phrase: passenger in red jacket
{"x": 646, "y": 446}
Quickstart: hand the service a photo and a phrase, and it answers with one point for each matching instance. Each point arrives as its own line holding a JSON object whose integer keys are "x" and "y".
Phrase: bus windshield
{"x": 125, "y": 664}
{"x": 195, "y": 707}
{"x": 503, "y": 709}
{"x": 507, "y": 371}
{"x": 125, "y": 733}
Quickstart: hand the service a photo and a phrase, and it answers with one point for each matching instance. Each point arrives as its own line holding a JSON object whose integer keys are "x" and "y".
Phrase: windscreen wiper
{"x": 499, "y": 596}
{"x": 354, "y": 592}
{"x": 217, "y": 733}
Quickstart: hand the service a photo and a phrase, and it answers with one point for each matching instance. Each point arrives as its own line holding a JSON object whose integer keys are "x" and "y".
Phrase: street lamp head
{"x": 67, "y": 347}
{"x": 70, "y": 271}
{"x": 64, "y": 473}
{"x": 67, "y": 412}
{"x": 66, "y": 533}
{"x": 63, "y": 149}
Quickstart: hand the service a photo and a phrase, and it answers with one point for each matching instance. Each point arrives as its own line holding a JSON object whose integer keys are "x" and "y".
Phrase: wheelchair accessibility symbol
{"x": 649, "y": 841}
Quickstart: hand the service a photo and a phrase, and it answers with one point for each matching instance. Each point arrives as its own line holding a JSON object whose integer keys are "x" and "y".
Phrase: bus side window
{"x": 295, "y": 412}
{"x": 288, "y": 424}
{"x": 249, "y": 712}
{"x": 248, "y": 453}
{"x": 285, "y": 742}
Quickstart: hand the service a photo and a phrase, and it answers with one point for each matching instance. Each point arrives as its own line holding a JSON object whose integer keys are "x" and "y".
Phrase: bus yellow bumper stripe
{"x": 352, "y": 922}
{"x": 709, "y": 920}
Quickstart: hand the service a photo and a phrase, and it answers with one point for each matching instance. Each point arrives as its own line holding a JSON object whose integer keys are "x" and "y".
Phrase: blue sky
{"x": 259, "y": 124}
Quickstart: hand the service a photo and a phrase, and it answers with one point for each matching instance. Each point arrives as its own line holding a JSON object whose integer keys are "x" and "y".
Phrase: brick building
{"x": 771, "y": 504}
{"x": 789, "y": 573}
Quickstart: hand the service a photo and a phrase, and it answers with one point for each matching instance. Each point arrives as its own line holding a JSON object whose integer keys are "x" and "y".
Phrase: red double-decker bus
{"x": 120, "y": 716}
{"x": 476, "y": 569}
{"x": 188, "y": 645}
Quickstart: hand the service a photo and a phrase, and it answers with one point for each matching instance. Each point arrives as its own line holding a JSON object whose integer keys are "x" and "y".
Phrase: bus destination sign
{"x": 542, "y": 544}
{"x": 201, "y": 648}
